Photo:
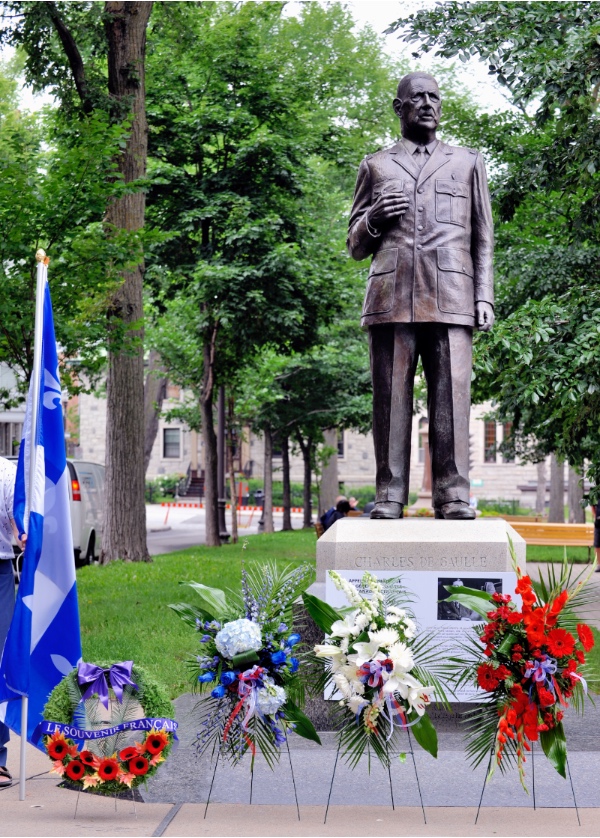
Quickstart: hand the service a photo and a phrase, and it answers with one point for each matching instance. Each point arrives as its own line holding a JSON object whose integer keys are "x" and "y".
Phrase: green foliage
{"x": 162, "y": 487}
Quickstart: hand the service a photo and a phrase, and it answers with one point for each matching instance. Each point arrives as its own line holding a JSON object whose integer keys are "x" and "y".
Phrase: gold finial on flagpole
{"x": 40, "y": 256}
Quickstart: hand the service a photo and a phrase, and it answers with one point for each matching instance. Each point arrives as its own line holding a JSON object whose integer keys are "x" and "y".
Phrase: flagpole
{"x": 42, "y": 273}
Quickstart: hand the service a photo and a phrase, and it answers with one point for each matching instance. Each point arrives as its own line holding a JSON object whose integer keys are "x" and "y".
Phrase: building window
{"x": 10, "y": 438}
{"x": 489, "y": 442}
{"x": 171, "y": 443}
{"x": 507, "y": 429}
{"x": 423, "y": 433}
{"x": 340, "y": 444}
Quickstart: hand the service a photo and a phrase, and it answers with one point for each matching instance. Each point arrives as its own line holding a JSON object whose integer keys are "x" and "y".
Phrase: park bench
{"x": 556, "y": 535}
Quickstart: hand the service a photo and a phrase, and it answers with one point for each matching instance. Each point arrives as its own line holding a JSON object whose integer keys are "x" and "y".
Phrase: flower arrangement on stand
{"x": 107, "y": 727}
{"x": 530, "y": 662}
{"x": 248, "y": 668}
{"x": 385, "y": 673}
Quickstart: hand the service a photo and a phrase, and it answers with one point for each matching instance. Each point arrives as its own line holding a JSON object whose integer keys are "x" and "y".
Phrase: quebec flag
{"x": 43, "y": 642}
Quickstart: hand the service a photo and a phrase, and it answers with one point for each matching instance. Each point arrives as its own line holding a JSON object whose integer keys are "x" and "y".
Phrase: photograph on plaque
{"x": 456, "y": 611}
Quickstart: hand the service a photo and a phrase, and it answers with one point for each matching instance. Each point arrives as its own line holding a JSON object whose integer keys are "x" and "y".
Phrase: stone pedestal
{"x": 418, "y": 544}
{"x": 413, "y": 544}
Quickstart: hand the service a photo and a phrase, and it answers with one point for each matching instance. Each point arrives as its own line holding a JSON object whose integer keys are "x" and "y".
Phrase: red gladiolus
{"x": 579, "y": 655}
{"x": 586, "y": 636}
{"x": 560, "y": 643}
{"x": 108, "y": 769}
{"x": 75, "y": 770}
{"x": 128, "y": 753}
{"x": 138, "y": 766}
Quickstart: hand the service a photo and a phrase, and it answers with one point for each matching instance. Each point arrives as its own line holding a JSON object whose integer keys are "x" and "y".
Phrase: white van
{"x": 86, "y": 493}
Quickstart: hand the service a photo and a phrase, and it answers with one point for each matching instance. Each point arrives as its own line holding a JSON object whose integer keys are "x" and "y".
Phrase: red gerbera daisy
{"x": 75, "y": 770}
{"x": 560, "y": 642}
{"x": 138, "y": 766}
{"x": 156, "y": 742}
{"x": 128, "y": 753}
{"x": 487, "y": 677}
{"x": 586, "y": 636}
{"x": 108, "y": 769}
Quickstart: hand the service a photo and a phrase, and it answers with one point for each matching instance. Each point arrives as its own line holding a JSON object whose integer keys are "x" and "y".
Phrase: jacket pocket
{"x": 455, "y": 281}
{"x": 452, "y": 202}
{"x": 379, "y": 297}
{"x": 384, "y": 186}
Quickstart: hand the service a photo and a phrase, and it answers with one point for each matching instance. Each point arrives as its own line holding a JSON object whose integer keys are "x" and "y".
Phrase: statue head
{"x": 418, "y": 103}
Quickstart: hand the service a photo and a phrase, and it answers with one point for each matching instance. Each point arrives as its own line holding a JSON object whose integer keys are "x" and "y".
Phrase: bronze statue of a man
{"x": 422, "y": 210}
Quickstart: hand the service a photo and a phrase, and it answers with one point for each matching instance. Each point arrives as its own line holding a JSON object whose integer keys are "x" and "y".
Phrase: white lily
{"x": 343, "y": 628}
{"x": 366, "y": 652}
{"x": 327, "y": 650}
{"x": 419, "y": 699}
{"x": 402, "y": 683}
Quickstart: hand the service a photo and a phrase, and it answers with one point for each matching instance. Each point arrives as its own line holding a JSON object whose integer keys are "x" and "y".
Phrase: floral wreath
{"x": 98, "y": 754}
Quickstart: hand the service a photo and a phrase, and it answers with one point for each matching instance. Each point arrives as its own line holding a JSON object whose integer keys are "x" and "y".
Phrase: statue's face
{"x": 421, "y": 108}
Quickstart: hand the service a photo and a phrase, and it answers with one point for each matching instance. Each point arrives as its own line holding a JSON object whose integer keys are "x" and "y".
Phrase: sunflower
{"x": 128, "y": 753}
{"x": 88, "y": 758}
{"x": 58, "y": 747}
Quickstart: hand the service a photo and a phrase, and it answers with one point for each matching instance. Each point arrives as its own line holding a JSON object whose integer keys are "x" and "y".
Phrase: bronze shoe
{"x": 456, "y": 510}
{"x": 387, "y": 509}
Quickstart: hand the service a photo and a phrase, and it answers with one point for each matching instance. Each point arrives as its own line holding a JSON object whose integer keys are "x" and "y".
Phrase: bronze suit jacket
{"x": 433, "y": 264}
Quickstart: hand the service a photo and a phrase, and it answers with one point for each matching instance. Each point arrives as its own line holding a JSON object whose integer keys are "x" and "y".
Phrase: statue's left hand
{"x": 484, "y": 316}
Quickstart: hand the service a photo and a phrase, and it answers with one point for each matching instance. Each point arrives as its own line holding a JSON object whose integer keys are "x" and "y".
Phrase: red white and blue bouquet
{"x": 530, "y": 662}
{"x": 385, "y": 673}
{"x": 248, "y": 668}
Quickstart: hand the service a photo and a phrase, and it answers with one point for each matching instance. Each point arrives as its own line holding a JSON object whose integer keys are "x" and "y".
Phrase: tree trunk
{"x": 330, "y": 486}
{"x": 575, "y": 495}
{"x": 209, "y": 437}
{"x": 155, "y": 391}
{"x": 285, "y": 476}
{"x": 556, "y": 514}
{"x": 268, "y": 478}
{"x": 306, "y": 448}
{"x": 231, "y": 470}
{"x": 540, "y": 496}
{"x": 124, "y": 533}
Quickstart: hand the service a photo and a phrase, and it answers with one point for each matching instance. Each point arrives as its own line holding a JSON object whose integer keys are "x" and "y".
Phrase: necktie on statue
{"x": 420, "y": 156}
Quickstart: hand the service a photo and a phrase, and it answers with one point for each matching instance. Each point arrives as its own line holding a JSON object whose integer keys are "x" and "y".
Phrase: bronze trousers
{"x": 447, "y": 356}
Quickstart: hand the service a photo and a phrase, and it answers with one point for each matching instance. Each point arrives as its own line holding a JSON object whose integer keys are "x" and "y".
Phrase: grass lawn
{"x": 577, "y": 555}
{"x": 124, "y": 605}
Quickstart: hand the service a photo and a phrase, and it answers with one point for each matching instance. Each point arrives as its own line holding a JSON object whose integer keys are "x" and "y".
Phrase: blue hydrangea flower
{"x": 239, "y": 636}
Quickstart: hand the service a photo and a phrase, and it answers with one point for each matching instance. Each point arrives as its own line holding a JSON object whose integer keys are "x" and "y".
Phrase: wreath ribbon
{"x": 97, "y": 678}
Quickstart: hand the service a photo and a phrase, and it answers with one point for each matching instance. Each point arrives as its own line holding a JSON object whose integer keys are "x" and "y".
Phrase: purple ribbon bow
{"x": 95, "y": 676}
{"x": 540, "y": 670}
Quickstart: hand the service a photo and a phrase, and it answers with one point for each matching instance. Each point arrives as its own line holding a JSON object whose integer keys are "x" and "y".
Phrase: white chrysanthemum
{"x": 356, "y": 704}
{"x": 238, "y": 636}
{"x": 410, "y": 627}
{"x": 342, "y": 684}
{"x": 385, "y": 637}
{"x": 402, "y": 657}
{"x": 344, "y": 644}
{"x": 361, "y": 621}
{"x": 358, "y": 687}
{"x": 270, "y": 698}
{"x": 399, "y": 612}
